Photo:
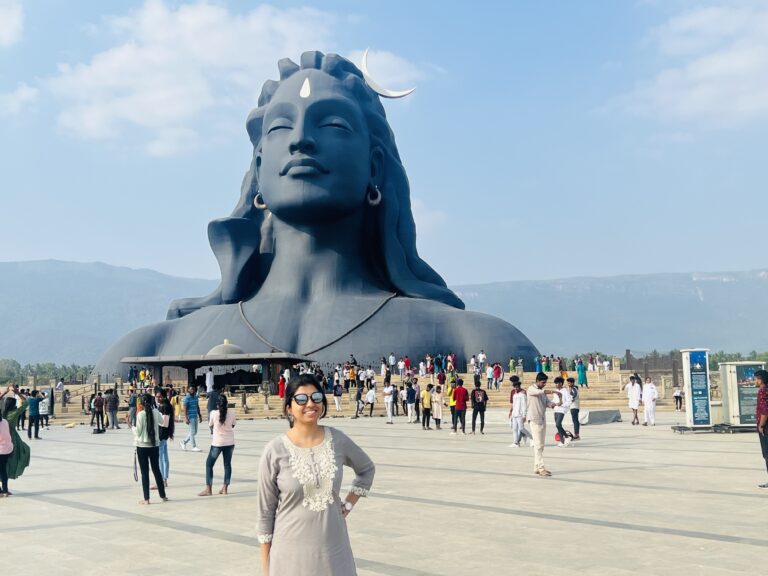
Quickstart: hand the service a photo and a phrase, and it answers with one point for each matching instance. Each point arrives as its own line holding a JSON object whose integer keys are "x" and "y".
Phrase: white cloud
{"x": 172, "y": 141}
{"x": 172, "y": 65}
{"x": 716, "y": 71}
{"x": 12, "y": 103}
{"x": 11, "y": 22}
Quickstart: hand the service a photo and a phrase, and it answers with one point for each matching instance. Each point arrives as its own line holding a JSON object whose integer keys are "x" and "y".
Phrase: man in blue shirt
{"x": 191, "y": 406}
{"x": 34, "y": 414}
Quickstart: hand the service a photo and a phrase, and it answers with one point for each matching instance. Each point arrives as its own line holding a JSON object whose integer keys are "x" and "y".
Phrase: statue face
{"x": 315, "y": 159}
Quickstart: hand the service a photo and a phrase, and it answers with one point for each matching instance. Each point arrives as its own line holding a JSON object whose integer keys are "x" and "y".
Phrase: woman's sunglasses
{"x": 301, "y": 399}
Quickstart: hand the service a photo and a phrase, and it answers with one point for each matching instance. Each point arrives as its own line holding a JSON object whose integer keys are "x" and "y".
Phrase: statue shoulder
{"x": 465, "y": 330}
{"x": 144, "y": 341}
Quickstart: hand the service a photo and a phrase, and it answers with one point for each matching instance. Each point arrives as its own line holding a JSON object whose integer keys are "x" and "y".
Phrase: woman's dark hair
{"x": 223, "y": 406}
{"x": 165, "y": 409}
{"x": 297, "y": 382}
{"x": 148, "y": 403}
{"x": 10, "y": 404}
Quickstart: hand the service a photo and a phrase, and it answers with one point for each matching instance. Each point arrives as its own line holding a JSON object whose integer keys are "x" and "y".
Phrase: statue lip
{"x": 304, "y": 162}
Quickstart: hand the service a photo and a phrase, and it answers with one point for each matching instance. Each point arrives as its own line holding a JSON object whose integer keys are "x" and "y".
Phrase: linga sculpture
{"x": 319, "y": 256}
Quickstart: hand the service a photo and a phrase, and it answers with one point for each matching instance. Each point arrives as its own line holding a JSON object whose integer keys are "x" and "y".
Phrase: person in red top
{"x": 497, "y": 375}
{"x": 761, "y": 415}
{"x": 461, "y": 396}
{"x": 407, "y": 362}
{"x": 281, "y": 386}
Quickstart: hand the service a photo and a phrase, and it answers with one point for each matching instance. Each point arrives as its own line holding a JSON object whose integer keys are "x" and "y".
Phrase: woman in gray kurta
{"x": 300, "y": 512}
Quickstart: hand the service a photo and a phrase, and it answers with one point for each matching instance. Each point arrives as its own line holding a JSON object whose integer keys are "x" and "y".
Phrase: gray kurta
{"x": 300, "y": 507}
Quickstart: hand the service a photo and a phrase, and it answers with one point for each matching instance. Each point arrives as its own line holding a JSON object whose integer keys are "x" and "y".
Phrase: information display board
{"x": 739, "y": 391}
{"x": 698, "y": 410}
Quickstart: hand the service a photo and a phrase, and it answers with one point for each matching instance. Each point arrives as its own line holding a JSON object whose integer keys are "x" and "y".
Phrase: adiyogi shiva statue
{"x": 319, "y": 256}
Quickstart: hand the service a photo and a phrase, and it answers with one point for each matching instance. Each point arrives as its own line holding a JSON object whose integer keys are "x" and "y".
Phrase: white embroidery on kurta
{"x": 315, "y": 469}
{"x": 265, "y": 538}
{"x": 359, "y": 491}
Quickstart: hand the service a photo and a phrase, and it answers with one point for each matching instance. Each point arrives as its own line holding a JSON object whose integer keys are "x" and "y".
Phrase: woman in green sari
{"x": 18, "y": 459}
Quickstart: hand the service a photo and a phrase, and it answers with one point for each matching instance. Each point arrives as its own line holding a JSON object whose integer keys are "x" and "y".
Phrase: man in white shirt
{"x": 370, "y": 399}
{"x": 562, "y": 407}
{"x": 650, "y": 395}
{"x": 481, "y": 359}
{"x": 401, "y": 368}
{"x": 678, "y": 396}
{"x": 517, "y": 413}
{"x": 45, "y": 409}
{"x": 209, "y": 381}
{"x": 392, "y": 360}
{"x": 575, "y": 406}
{"x": 389, "y": 397}
{"x": 634, "y": 395}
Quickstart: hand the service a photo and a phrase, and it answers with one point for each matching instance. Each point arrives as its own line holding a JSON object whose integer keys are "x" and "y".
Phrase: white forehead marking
{"x": 305, "y": 89}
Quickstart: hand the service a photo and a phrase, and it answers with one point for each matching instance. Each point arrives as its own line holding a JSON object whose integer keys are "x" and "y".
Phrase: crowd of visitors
{"x": 428, "y": 391}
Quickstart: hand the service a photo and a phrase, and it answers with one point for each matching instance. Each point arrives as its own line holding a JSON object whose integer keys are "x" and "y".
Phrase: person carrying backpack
{"x": 113, "y": 403}
{"x": 131, "y": 418}
{"x": 479, "y": 403}
{"x": 98, "y": 409}
{"x": 338, "y": 392}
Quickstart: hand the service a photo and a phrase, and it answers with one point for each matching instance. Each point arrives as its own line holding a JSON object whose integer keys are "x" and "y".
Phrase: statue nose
{"x": 302, "y": 142}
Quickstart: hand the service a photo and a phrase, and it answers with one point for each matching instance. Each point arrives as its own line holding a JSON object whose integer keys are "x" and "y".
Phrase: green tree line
{"x": 12, "y": 371}
{"x": 722, "y": 356}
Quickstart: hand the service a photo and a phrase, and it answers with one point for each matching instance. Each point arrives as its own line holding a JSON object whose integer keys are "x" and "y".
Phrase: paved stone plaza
{"x": 624, "y": 500}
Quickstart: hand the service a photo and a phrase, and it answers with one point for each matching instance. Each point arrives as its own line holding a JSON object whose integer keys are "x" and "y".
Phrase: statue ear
{"x": 377, "y": 165}
{"x": 258, "y": 164}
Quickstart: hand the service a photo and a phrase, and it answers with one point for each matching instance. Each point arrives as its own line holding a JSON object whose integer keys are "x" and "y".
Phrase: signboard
{"x": 739, "y": 387}
{"x": 698, "y": 411}
{"x": 746, "y": 393}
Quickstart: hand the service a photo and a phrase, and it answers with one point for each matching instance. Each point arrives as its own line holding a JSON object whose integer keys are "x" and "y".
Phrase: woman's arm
{"x": 356, "y": 458}
{"x": 265, "y": 548}
{"x": 268, "y": 498}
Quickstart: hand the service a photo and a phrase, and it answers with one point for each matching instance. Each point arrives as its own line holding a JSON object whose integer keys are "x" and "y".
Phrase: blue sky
{"x": 544, "y": 139}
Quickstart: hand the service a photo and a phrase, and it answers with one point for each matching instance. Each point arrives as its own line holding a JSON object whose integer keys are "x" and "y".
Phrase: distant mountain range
{"x": 719, "y": 311}
{"x": 67, "y": 312}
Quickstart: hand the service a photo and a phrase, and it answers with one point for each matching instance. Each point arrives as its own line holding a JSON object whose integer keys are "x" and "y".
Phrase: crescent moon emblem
{"x": 380, "y": 90}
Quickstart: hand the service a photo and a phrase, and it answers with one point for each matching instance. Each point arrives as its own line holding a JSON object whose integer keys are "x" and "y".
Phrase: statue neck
{"x": 319, "y": 260}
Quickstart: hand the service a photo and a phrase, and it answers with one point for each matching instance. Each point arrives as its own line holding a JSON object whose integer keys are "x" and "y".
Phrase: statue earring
{"x": 258, "y": 201}
{"x": 374, "y": 195}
